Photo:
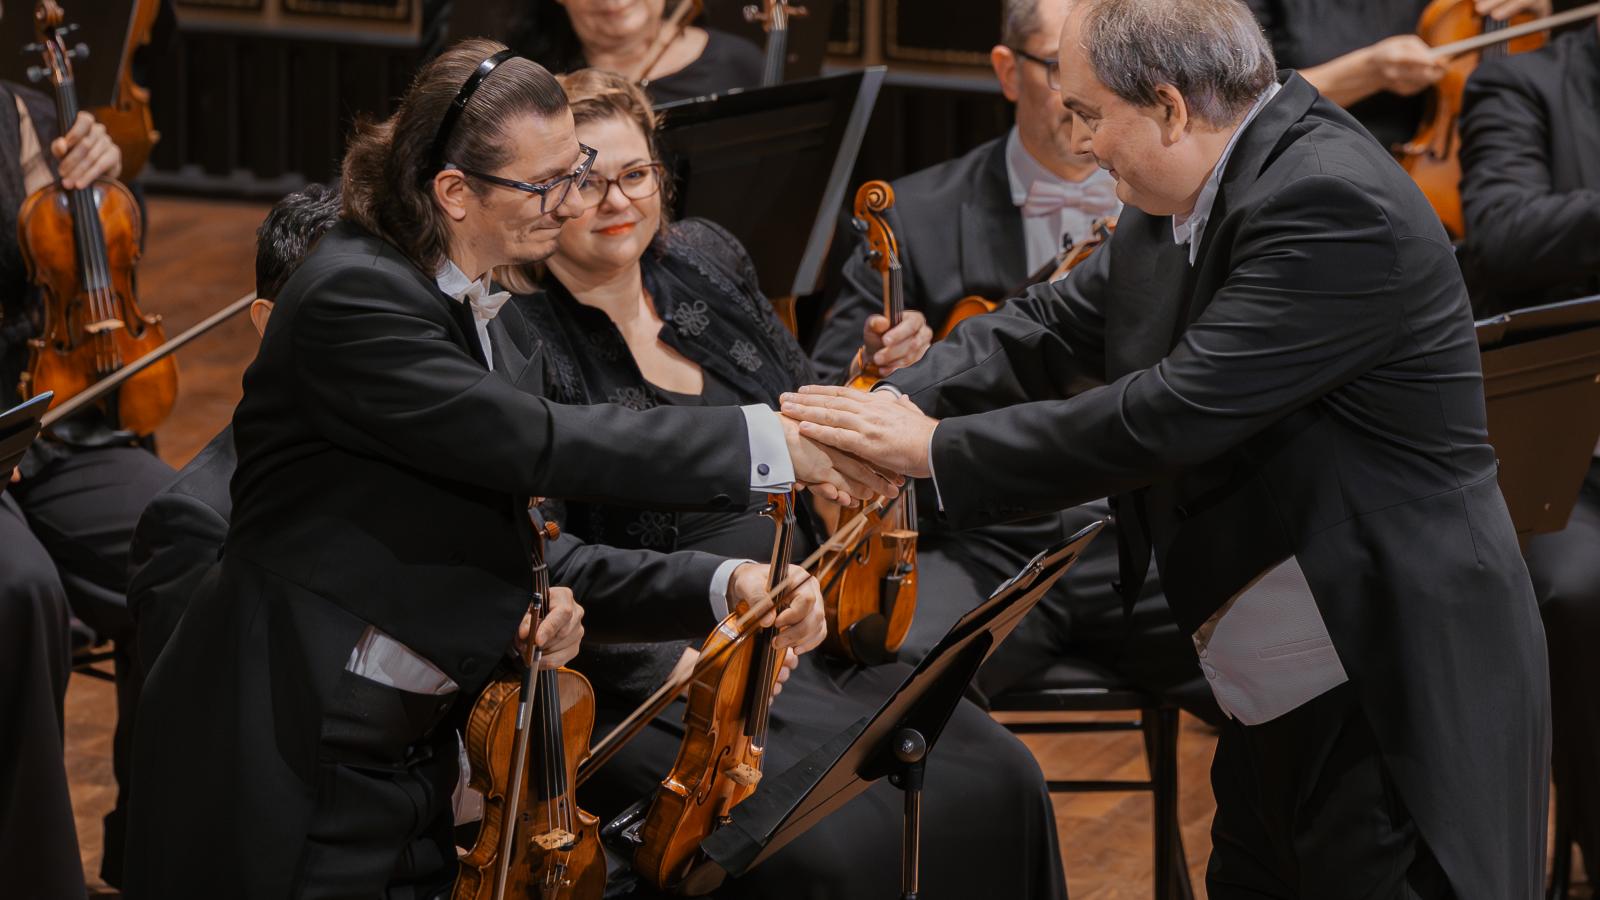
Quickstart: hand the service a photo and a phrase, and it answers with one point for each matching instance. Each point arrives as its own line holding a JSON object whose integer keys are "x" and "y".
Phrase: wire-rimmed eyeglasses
{"x": 551, "y": 193}
{"x": 1052, "y": 67}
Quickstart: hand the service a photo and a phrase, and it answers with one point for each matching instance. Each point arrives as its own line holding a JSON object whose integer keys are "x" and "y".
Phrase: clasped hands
{"x": 873, "y": 432}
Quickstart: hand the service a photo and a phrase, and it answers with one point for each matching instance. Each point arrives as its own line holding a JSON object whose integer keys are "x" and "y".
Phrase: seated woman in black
{"x": 566, "y": 35}
{"x": 646, "y": 314}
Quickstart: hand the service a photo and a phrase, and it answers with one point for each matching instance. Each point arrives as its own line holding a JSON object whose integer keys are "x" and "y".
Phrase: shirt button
{"x": 763, "y": 469}
{"x": 1210, "y": 672}
{"x": 1202, "y": 653}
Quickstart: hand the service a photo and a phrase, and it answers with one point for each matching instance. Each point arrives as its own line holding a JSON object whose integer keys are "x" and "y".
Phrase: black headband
{"x": 448, "y": 123}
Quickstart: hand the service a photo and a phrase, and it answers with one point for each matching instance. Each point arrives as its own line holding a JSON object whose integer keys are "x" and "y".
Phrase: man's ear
{"x": 260, "y": 309}
{"x": 450, "y": 190}
{"x": 1005, "y": 69}
{"x": 1172, "y": 113}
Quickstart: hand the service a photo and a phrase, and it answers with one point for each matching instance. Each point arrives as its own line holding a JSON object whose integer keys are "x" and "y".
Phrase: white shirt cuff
{"x": 771, "y": 469}
{"x": 721, "y": 603}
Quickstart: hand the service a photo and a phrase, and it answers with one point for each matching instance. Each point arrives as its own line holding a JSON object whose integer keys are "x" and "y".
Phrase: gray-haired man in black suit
{"x": 1272, "y": 366}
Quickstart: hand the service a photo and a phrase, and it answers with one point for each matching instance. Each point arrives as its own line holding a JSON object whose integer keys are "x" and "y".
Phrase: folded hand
{"x": 879, "y": 427}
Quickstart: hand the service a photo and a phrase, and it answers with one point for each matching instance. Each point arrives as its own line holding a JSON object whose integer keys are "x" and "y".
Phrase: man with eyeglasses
{"x": 296, "y": 737}
{"x": 983, "y": 225}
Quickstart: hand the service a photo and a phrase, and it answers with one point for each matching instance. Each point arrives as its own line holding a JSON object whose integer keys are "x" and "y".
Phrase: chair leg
{"x": 1161, "y": 752}
{"x": 1561, "y": 864}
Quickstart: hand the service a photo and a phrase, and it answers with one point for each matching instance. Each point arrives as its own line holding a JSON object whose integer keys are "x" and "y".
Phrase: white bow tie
{"x": 485, "y": 306}
{"x": 1093, "y": 196}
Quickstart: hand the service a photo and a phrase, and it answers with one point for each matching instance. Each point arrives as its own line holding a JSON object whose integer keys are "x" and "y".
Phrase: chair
{"x": 1075, "y": 686}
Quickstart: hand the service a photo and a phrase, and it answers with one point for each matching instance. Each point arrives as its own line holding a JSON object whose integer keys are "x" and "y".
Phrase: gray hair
{"x": 1212, "y": 51}
{"x": 1020, "y": 19}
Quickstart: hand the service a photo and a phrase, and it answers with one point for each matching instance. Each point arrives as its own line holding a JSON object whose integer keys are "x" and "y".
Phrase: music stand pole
{"x": 911, "y": 749}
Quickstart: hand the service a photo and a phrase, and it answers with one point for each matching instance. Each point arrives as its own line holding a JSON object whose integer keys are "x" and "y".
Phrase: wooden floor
{"x": 200, "y": 256}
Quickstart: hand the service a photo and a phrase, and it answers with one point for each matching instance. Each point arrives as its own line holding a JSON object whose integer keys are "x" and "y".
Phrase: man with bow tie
{"x": 986, "y": 224}
{"x": 296, "y": 736}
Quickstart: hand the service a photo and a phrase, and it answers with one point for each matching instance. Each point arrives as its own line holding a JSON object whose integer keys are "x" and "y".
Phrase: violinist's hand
{"x": 833, "y": 474}
{"x": 1405, "y": 64}
{"x": 560, "y": 632}
{"x": 801, "y": 626}
{"x": 86, "y": 153}
{"x": 1501, "y": 10}
{"x": 895, "y": 348}
{"x": 885, "y": 429}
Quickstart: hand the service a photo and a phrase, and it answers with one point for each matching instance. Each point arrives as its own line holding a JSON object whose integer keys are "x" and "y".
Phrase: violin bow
{"x": 1456, "y": 48}
{"x": 602, "y": 752}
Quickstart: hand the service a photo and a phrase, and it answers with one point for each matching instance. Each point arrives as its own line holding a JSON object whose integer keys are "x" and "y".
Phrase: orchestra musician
{"x": 65, "y": 522}
{"x": 1530, "y": 186}
{"x": 626, "y": 36}
{"x": 980, "y": 225}
{"x": 1366, "y": 56}
{"x": 297, "y": 733}
{"x": 635, "y": 310}
{"x": 1272, "y": 365}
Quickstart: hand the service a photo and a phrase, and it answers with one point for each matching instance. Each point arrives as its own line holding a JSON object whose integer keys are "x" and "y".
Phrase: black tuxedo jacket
{"x": 1310, "y": 387}
{"x": 1530, "y": 174}
{"x": 383, "y": 480}
{"x": 959, "y": 234}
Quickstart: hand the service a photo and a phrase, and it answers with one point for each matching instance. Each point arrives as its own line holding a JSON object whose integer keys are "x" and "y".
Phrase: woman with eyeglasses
{"x": 623, "y": 36}
{"x": 635, "y": 310}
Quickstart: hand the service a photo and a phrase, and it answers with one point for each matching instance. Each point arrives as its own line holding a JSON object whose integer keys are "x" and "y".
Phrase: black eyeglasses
{"x": 1052, "y": 67}
{"x": 551, "y": 193}
{"x": 635, "y": 183}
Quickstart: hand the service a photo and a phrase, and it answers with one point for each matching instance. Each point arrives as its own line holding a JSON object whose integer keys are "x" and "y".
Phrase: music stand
{"x": 1541, "y": 385}
{"x": 893, "y": 743}
{"x": 19, "y": 425}
{"x": 772, "y": 165}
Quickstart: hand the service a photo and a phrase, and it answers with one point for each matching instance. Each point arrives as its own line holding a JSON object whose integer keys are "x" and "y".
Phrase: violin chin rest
{"x": 867, "y": 638}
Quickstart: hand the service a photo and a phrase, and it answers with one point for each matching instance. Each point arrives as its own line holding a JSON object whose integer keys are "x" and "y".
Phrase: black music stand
{"x": 1541, "y": 384}
{"x": 893, "y": 743}
{"x": 772, "y": 166}
{"x": 19, "y": 425}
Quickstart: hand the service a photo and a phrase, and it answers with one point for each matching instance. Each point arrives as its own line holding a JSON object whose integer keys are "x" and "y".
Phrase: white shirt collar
{"x": 1191, "y": 228}
{"x": 453, "y": 281}
{"x": 1022, "y": 170}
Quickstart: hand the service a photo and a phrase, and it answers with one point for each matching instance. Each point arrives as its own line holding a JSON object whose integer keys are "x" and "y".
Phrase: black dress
{"x": 985, "y": 798}
{"x": 728, "y": 62}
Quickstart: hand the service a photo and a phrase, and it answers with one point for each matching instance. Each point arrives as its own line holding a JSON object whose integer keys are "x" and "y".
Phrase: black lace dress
{"x": 989, "y": 827}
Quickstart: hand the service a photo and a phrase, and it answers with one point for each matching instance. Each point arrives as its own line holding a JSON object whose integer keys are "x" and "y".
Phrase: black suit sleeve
{"x": 1522, "y": 234}
{"x": 1307, "y": 310}
{"x": 380, "y": 378}
{"x": 627, "y": 595}
{"x": 177, "y": 540}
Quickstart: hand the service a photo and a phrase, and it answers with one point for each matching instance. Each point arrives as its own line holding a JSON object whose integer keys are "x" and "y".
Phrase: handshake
{"x": 849, "y": 445}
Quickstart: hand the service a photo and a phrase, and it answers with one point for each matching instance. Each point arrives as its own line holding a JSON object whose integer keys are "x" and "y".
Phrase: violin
{"x": 1458, "y": 34}
{"x": 534, "y": 841}
{"x": 127, "y": 119}
{"x": 870, "y": 601}
{"x": 774, "y": 16}
{"x": 81, "y": 247}
{"x": 725, "y": 729}
{"x": 967, "y": 307}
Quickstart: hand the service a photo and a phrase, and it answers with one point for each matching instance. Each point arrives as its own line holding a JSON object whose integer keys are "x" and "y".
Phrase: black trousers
{"x": 38, "y": 840}
{"x": 1306, "y": 810}
{"x": 1566, "y": 579}
{"x": 64, "y": 536}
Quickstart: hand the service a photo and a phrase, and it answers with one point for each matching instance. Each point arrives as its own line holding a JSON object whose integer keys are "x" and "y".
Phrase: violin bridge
{"x": 104, "y": 325}
{"x": 744, "y": 775}
{"x": 555, "y": 840}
